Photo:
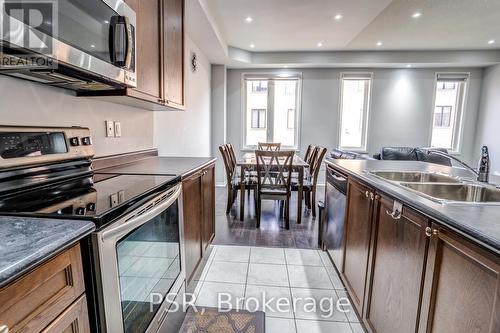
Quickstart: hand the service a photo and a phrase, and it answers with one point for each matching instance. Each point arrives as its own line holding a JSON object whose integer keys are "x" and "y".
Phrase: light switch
{"x": 110, "y": 128}
{"x": 118, "y": 129}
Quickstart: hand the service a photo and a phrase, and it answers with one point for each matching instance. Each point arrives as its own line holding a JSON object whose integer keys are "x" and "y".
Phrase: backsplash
{"x": 33, "y": 104}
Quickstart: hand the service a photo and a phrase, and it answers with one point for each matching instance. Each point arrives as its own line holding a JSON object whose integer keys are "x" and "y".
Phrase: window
{"x": 442, "y": 116}
{"x": 271, "y": 105}
{"x": 290, "y": 119}
{"x": 448, "y": 109}
{"x": 258, "y": 118}
{"x": 354, "y": 105}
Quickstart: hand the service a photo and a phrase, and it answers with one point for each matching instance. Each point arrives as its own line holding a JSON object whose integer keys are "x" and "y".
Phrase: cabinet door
{"x": 397, "y": 262}
{"x": 462, "y": 287}
{"x": 357, "y": 241}
{"x": 208, "y": 185}
{"x": 173, "y": 52}
{"x": 192, "y": 198}
{"x": 148, "y": 46}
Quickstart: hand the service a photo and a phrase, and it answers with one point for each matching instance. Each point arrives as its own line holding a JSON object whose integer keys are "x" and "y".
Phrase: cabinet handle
{"x": 4, "y": 329}
{"x": 372, "y": 196}
{"x": 367, "y": 194}
{"x": 396, "y": 215}
{"x": 431, "y": 232}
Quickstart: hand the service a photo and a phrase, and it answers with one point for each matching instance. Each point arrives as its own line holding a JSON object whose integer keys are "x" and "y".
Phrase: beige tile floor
{"x": 247, "y": 272}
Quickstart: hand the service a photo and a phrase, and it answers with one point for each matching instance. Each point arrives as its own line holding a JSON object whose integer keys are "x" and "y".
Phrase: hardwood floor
{"x": 229, "y": 230}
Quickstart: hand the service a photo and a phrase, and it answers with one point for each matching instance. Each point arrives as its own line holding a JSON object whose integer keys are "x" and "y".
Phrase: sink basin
{"x": 459, "y": 193}
{"x": 415, "y": 177}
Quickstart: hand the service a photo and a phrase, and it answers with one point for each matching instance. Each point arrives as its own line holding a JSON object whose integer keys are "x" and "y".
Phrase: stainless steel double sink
{"x": 443, "y": 188}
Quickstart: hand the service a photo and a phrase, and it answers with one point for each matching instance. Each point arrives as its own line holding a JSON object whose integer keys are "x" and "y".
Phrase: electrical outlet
{"x": 118, "y": 129}
{"x": 110, "y": 128}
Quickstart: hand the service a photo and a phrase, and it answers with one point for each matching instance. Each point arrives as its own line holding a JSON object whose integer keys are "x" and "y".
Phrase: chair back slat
{"x": 228, "y": 164}
{"x": 319, "y": 154}
{"x": 274, "y": 169}
{"x": 232, "y": 155}
{"x": 269, "y": 146}
{"x": 309, "y": 151}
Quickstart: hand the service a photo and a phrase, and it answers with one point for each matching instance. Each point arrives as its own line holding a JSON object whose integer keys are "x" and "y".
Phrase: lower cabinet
{"x": 199, "y": 216}
{"x": 357, "y": 241}
{"x": 397, "y": 264}
{"x": 462, "y": 287}
{"x": 405, "y": 273}
{"x": 50, "y": 298}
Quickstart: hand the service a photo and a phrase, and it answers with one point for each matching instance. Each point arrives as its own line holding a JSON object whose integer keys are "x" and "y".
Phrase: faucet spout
{"x": 483, "y": 171}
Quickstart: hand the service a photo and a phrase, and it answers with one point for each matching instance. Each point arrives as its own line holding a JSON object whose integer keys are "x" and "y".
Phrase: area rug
{"x": 211, "y": 320}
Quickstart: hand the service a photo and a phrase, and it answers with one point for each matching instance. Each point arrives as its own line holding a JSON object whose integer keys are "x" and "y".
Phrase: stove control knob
{"x": 91, "y": 206}
{"x": 86, "y": 141}
{"x": 74, "y": 141}
{"x": 80, "y": 211}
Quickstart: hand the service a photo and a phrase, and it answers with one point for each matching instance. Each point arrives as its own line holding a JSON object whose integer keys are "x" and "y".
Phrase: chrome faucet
{"x": 483, "y": 170}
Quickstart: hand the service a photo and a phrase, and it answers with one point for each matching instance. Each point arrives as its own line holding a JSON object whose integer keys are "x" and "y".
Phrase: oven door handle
{"x": 133, "y": 221}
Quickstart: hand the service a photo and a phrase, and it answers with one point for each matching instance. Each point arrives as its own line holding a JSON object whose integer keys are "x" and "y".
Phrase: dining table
{"x": 248, "y": 162}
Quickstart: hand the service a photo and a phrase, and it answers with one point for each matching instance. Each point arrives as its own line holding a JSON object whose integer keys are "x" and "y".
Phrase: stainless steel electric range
{"x": 134, "y": 258}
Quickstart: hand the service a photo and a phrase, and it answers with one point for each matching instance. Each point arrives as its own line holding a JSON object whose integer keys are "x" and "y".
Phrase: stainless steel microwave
{"x": 75, "y": 44}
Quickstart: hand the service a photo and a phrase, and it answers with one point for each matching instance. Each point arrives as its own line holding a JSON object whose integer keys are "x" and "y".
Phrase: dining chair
{"x": 311, "y": 179}
{"x": 273, "y": 180}
{"x": 232, "y": 177}
{"x": 309, "y": 151}
{"x": 269, "y": 146}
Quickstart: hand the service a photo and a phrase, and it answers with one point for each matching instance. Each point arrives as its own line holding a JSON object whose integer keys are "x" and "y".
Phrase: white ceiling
{"x": 298, "y": 25}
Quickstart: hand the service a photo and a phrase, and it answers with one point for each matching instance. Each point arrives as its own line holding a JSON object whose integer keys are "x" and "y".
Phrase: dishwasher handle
{"x": 337, "y": 180}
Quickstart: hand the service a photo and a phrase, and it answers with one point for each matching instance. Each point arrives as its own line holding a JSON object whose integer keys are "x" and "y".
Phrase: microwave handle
{"x": 120, "y": 26}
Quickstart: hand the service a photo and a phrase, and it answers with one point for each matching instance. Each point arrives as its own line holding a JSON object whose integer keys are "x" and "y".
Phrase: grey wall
{"x": 187, "y": 133}
{"x": 33, "y": 104}
{"x": 489, "y": 116}
{"x": 400, "y": 111}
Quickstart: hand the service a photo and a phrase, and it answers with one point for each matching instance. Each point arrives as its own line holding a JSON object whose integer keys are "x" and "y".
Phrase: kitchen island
{"x": 411, "y": 264}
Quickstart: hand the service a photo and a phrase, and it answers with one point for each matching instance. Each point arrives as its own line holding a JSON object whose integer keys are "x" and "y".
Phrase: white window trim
{"x": 461, "y": 112}
{"x": 364, "y": 147}
{"x": 298, "y": 108}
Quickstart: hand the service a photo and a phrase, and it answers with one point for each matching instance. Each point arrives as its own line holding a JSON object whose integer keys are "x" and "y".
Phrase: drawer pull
{"x": 367, "y": 194}
{"x": 396, "y": 215}
{"x": 431, "y": 232}
{"x": 4, "y": 329}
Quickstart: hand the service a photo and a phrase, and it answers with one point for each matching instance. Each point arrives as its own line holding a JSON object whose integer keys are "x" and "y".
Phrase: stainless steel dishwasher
{"x": 334, "y": 218}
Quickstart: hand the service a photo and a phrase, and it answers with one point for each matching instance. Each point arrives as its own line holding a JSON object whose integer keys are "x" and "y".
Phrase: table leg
{"x": 242, "y": 193}
{"x": 299, "y": 195}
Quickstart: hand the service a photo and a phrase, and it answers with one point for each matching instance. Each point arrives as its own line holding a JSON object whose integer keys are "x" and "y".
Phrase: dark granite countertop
{"x": 159, "y": 165}
{"x": 26, "y": 242}
{"x": 478, "y": 223}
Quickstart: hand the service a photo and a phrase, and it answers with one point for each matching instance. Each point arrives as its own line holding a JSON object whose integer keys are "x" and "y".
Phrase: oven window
{"x": 148, "y": 263}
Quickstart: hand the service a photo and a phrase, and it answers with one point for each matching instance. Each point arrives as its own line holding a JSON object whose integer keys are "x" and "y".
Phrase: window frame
{"x": 443, "y": 107}
{"x": 259, "y": 112}
{"x": 458, "y": 124}
{"x": 271, "y": 77}
{"x": 366, "y": 116}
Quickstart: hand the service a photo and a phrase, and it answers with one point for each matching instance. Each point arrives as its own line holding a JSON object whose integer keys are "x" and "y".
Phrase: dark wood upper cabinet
{"x": 159, "y": 58}
{"x": 462, "y": 287}
{"x": 173, "y": 52}
{"x": 357, "y": 240}
{"x": 397, "y": 264}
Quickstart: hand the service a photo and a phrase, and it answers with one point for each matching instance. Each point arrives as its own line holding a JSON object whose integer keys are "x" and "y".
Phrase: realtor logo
{"x": 28, "y": 25}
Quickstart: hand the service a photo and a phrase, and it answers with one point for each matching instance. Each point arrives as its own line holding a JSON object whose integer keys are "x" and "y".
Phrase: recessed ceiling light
{"x": 106, "y": 22}
{"x": 92, "y": 45}
{"x": 379, "y": 43}
{"x": 408, "y": 66}
{"x": 286, "y": 66}
{"x": 492, "y": 41}
{"x": 252, "y": 45}
{"x": 338, "y": 17}
{"x": 249, "y": 19}
{"x": 416, "y": 15}
{"x": 320, "y": 44}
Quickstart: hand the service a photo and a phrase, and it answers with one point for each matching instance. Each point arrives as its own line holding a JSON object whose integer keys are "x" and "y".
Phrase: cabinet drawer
{"x": 33, "y": 301}
{"x": 74, "y": 319}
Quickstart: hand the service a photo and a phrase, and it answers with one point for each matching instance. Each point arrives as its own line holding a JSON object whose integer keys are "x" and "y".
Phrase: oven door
{"x": 140, "y": 262}
{"x": 94, "y": 36}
